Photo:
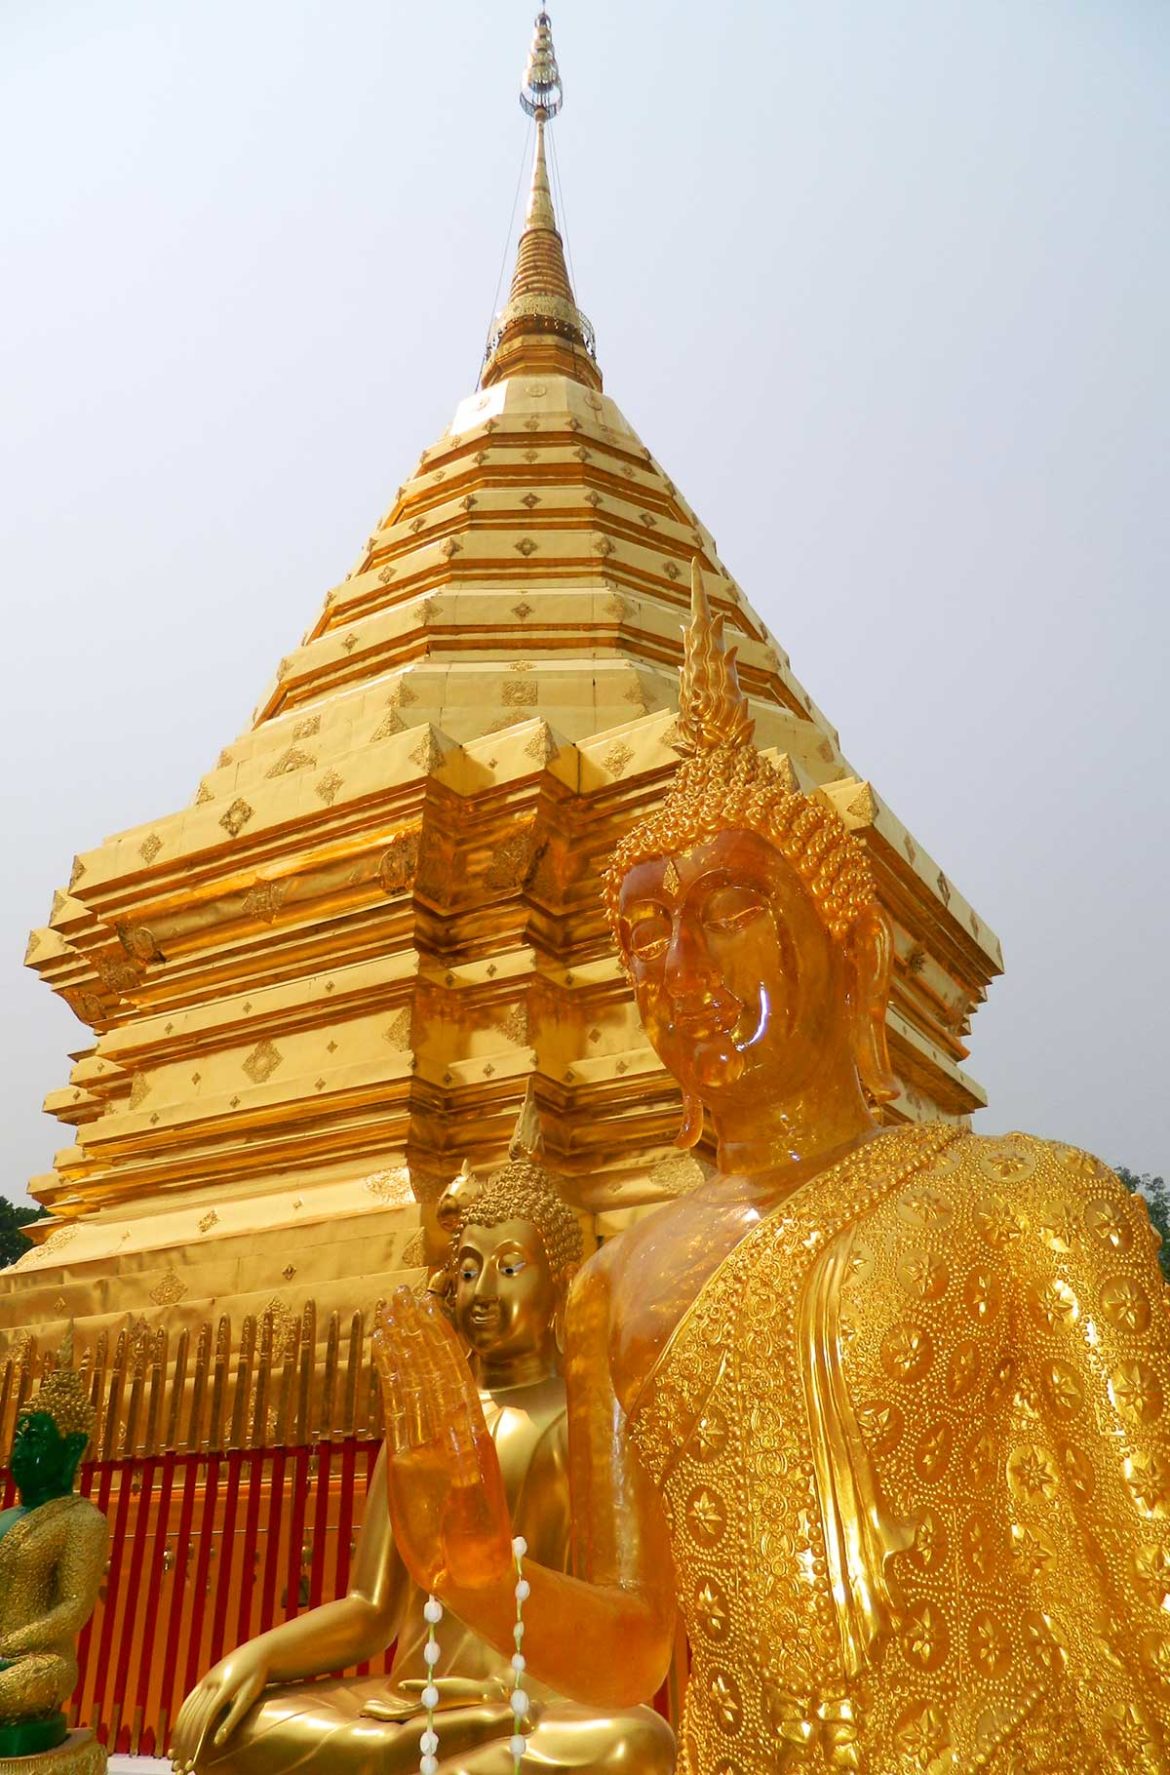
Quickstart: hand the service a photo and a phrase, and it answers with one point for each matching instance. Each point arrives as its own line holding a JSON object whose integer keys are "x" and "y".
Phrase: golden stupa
{"x": 325, "y": 982}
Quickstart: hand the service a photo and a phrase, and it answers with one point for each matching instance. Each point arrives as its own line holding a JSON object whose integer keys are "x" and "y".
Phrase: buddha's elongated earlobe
{"x": 691, "y": 1131}
{"x": 871, "y": 952}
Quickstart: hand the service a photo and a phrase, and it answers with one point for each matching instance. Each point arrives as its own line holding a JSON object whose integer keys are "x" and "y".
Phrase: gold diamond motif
{"x": 149, "y": 848}
{"x": 236, "y": 817}
{"x": 168, "y": 1290}
{"x": 262, "y": 1062}
{"x": 328, "y": 786}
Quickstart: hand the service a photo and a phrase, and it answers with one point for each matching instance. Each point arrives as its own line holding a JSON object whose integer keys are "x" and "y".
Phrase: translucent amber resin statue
{"x": 881, "y": 1414}
{"x": 512, "y": 1261}
{"x": 52, "y": 1556}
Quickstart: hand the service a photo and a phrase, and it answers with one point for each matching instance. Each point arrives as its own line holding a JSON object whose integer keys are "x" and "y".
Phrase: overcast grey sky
{"x": 884, "y": 284}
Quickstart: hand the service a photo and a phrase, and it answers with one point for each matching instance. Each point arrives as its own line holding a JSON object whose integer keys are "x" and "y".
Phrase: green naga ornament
{"x": 52, "y": 1556}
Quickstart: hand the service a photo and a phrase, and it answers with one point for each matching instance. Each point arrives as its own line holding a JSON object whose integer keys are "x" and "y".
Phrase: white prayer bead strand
{"x": 428, "y": 1743}
{"x": 520, "y": 1702}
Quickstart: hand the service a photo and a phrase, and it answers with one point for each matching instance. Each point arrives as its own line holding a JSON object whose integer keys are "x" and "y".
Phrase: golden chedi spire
{"x": 540, "y": 328}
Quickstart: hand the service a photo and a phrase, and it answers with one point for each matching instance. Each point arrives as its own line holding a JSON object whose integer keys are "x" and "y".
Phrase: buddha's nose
{"x": 688, "y": 971}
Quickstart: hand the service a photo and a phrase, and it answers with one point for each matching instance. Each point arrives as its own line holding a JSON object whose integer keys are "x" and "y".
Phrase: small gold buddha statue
{"x": 881, "y": 1413}
{"x": 52, "y": 1556}
{"x": 270, "y": 1706}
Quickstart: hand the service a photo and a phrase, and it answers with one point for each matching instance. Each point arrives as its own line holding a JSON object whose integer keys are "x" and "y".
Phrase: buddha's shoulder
{"x": 1002, "y": 1185}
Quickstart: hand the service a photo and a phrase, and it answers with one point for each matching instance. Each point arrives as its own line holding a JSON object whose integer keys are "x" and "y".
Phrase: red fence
{"x": 207, "y": 1550}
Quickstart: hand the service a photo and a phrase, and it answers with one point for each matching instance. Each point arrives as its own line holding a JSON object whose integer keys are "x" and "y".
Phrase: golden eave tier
{"x": 379, "y": 915}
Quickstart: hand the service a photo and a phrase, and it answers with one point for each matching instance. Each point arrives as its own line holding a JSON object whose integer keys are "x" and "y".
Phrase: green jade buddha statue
{"x": 52, "y": 1555}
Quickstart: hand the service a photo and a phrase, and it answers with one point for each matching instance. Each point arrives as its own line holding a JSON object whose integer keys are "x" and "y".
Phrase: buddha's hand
{"x": 215, "y": 1707}
{"x": 448, "y": 1508}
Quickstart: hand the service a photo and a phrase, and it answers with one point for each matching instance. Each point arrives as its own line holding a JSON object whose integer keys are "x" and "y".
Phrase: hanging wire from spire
{"x": 561, "y": 206}
{"x": 525, "y": 158}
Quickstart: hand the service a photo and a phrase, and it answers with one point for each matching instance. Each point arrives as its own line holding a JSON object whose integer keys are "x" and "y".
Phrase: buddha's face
{"x": 40, "y": 1464}
{"x": 738, "y": 982}
{"x": 505, "y": 1295}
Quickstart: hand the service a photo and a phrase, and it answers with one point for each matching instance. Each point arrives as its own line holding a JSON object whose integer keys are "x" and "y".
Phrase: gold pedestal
{"x": 81, "y": 1754}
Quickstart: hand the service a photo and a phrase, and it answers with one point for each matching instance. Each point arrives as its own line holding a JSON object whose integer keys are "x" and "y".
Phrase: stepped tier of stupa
{"x": 326, "y": 980}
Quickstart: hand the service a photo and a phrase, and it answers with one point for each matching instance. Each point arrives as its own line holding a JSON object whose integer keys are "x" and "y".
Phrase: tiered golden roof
{"x": 326, "y": 981}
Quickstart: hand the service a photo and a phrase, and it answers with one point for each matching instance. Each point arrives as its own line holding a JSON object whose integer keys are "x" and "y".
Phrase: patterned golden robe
{"x": 912, "y": 1442}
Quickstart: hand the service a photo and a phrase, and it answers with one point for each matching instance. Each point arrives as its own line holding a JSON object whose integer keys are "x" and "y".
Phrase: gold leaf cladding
{"x": 398, "y": 863}
{"x": 519, "y": 695}
{"x": 292, "y": 759}
{"x": 511, "y": 861}
{"x": 236, "y": 817}
{"x": 262, "y": 1062}
{"x": 617, "y": 758}
{"x": 514, "y": 1025}
{"x": 676, "y": 1175}
{"x": 414, "y": 1252}
{"x": 328, "y": 786}
{"x": 391, "y": 1188}
{"x": 428, "y": 754}
{"x": 265, "y": 900}
{"x": 390, "y": 724}
{"x": 401, "y": 1031}
{"x": 137, "y": 940}
{"x": 541, "y": 747}
{"x": 149, "y": 848}
{"x": 167, "y": 1290}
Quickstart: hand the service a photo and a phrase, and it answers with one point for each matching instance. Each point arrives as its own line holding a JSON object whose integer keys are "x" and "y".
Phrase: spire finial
{"x": 542, "y": 94}
{"x": 540, "y": 328}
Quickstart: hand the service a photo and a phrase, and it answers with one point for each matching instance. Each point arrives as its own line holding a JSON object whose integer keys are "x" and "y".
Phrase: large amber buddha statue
{"x": 881, "y": 1414}
{"x": 271, "y": 1706}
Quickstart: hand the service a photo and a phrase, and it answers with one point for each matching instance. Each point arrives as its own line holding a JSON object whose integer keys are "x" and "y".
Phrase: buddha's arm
{"x": 80, "y": 1562}
{"x": 1099, "y": 1325}
{"x": 603, "y": 1638}
{"x": 335, "y": 1636}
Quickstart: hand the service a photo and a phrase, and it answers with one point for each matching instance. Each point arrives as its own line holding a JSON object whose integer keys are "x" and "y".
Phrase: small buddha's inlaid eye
{"x": 731, "y": 908}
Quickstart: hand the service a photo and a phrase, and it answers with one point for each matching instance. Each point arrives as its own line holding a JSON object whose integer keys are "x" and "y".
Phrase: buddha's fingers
{"x": 454, "y": 1396}
{"x": 248, "y": 1693}
{"x": 388, "y": 1356}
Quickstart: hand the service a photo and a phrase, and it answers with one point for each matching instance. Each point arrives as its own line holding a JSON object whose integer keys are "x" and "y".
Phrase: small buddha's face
{"x": 736, "y": 977}
{"x": 506, "y": 1298}
{"x": 40, "y": 1463}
